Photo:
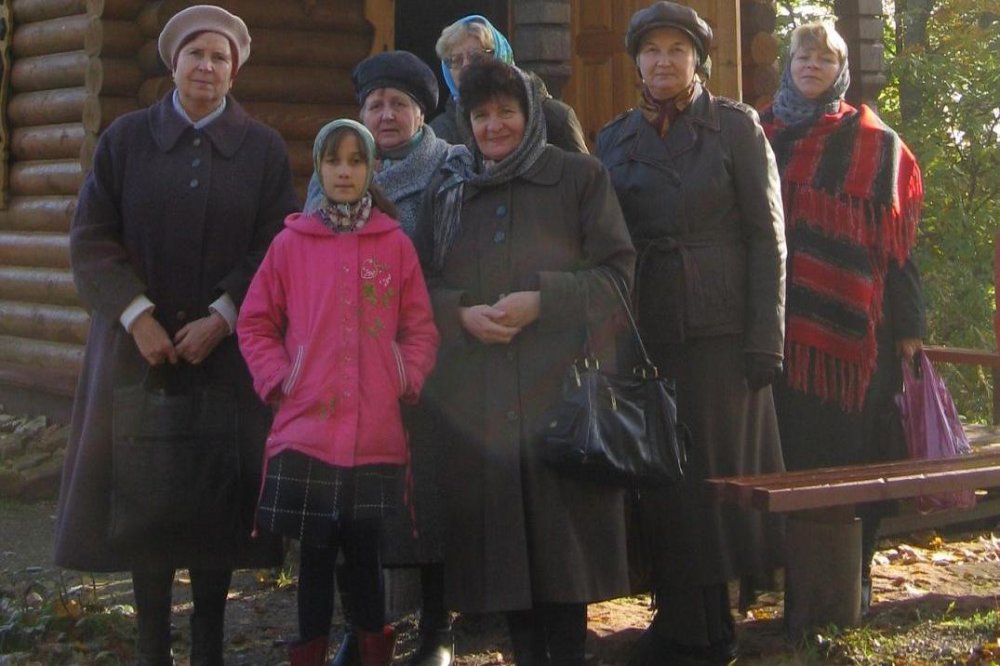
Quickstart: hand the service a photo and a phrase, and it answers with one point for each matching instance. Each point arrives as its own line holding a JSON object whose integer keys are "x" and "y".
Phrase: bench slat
{"x": 963, "y": 355}
{"x": 839, "y": 486}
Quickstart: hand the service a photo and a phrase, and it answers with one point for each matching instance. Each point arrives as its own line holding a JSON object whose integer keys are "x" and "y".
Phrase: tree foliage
{"x": 950, "y": 84}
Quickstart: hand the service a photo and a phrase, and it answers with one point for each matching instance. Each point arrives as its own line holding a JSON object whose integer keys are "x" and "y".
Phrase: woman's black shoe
{"x": 653, "y": 650}
{"x": 437, "y": 648}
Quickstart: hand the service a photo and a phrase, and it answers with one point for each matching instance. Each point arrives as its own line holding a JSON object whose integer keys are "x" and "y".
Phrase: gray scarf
{"x": 793, "y": 108}
{"x": 449, "y": 210}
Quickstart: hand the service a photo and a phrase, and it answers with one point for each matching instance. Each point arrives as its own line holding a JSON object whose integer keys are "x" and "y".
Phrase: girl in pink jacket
{"x": 336, "y": 329}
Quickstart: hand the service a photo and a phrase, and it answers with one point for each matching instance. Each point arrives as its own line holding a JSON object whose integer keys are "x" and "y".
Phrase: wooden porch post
{"x": 860, "y": 23}
{"x": 542, "y": 41}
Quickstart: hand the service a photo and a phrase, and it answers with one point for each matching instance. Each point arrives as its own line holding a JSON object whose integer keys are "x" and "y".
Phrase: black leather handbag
{"x": 616, "y": 430}
{"x": 175, "y": 457}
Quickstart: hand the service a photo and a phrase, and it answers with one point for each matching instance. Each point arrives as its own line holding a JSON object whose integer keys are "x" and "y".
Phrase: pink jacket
{"x": 336, "y": 329}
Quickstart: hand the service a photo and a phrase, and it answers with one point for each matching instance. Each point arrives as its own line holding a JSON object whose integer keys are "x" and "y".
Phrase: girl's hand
{"x": 152, "y": 340}
{"x": 907, "y": 347}
{"x": 519, "y": 308}
{"x": 483, "y": 323}
{"x": 198, "y": 338}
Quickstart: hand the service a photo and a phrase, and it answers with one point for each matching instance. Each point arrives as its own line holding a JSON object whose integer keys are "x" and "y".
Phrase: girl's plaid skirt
{"x": 304, "y": 498}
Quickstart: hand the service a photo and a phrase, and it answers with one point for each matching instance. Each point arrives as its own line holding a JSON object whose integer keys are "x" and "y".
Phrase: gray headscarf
{"x": 793, "y": 108}
{"x": 489, "y": 174}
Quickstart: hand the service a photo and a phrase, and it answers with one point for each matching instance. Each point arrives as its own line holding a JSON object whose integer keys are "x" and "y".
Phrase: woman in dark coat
{"x": 461, "y": 43}
{"x": 520, "y": 258}
{"x": 699, "y": 189}
{"x": 182, "y": 202}
{"x": 852, "y": 195}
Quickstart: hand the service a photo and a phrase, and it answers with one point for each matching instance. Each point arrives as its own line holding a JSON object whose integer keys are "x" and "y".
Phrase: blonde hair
{"x": 458, "y": 31}
{"x": 819, "y": 35}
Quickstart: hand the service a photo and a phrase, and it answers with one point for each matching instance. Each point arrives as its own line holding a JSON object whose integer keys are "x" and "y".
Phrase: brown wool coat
{"x": 518, "y": 533}
{"x": 181, "y": 215}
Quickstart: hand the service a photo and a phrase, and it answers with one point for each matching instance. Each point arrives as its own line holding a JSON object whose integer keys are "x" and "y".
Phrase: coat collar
{"x": 226, "y": 132}
{"x": 311, "y": 225}
{"x": 547, "y": 170}
{"x": 640, "y": 137}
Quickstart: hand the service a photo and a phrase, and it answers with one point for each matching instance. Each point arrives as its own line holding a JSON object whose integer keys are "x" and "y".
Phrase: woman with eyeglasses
{"x": 474, "y": 37}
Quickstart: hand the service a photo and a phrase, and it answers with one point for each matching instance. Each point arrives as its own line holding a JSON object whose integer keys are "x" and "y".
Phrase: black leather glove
{"x": 761, "y": 369}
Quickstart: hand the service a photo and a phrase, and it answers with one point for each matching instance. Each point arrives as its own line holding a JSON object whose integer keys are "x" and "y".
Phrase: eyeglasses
{"x": 460, "y": 60}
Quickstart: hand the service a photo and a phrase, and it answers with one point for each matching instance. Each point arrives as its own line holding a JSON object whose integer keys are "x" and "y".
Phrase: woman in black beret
{"x": 698, "y": 185}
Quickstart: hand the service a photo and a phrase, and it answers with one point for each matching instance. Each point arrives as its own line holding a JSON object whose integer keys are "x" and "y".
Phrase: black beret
{"x": 397, "y": 69}
{"x": 669, "y": 15}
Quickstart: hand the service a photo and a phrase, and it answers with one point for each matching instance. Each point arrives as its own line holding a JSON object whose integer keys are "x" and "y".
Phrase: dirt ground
{"x": 925, "y": 590}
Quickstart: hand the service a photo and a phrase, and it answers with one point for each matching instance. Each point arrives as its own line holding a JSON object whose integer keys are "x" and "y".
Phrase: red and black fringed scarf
{"x": 852, "y": 195}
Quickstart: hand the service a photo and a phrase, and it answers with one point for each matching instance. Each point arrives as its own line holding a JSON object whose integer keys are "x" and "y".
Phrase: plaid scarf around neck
{"x": 345, "y": 217}
{"x": 662, "y": 113}
{"x": 852, "y": 196}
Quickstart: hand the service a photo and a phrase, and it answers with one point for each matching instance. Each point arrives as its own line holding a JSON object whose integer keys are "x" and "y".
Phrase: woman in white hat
{"x": 173, "y": 220}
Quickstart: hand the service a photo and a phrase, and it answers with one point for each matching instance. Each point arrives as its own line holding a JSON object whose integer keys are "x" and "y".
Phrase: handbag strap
{"x": 647, "y": 361}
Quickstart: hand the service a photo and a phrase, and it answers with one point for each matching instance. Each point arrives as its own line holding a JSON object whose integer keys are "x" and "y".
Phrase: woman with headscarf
{"x": 852, "y": 195}
{"x": 473, "y": 37}
{"x": 699, "y": 189}
{"x": 179, "y": 209}
{"x": 395, "y": 91}
{"x": 522, "y": 257}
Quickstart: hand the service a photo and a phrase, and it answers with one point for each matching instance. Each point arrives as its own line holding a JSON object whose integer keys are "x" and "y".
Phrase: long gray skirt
{"x": 694, "y": 540}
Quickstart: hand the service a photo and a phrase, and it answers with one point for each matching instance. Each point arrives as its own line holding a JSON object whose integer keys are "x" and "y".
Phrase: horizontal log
{"x": 298, "y": 48}
{"x": 29, "y": 11}
{"x": 41, "y": 354}
{"x": 300, "y": 157}
{"x": 66, "y": 33}
{"x": 119, "y": 10}
{"x": 37, "y": 285}
{"x": 46, "y": 142}
{"x": 45, "y": 177}
{"x": 324, "y": 17}
{"x": 31, "y": 382}
{"x": 763, "y": 48}
{"x": 115, "y": 77}
{"x": 298, "y": 121}
{"x": 48, "y": 72}
{"x": 153, "y": 90}
{"x": 40, "y": 250}
{"x": 310, "y": 85}
{"x": 757, "y": 17}
{"x": 963, "y": 356}
{"x": 148, "y": 59}
{"x": 99, "y": 112}
{"x": 47, "y": 107}
{"x": 51, "y": 213}
{"x": 38, "y": 321}
{"x": 113, "y": 39}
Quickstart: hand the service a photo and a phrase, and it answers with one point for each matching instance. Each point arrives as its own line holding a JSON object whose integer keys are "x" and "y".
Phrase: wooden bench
{"x": 823, "y": 537}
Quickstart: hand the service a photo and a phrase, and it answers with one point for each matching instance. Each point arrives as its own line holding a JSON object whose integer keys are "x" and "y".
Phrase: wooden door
{"x": 605, "y": 82}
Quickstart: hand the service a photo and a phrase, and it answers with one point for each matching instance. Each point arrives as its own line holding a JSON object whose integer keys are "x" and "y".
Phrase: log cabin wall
{"x": 78, "y": 65}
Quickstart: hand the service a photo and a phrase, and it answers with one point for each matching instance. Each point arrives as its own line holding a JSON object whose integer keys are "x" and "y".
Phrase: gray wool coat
{"x": 518, "y": 533}
{"x": 181, "y": 215}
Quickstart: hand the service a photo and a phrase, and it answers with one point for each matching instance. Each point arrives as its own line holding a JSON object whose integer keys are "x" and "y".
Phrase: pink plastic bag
{"x": 932, "y": 429}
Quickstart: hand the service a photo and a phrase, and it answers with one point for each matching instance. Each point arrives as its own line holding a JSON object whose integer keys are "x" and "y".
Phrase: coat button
{"x": 196, "y": 162}
{"x": 512, "y": 415}
{"x": 511, "y": 355}
{"x": 197, "y": 141}
{"x": 181, "y": 315}
{"x": 499, "y": 237}
{"x": 193, "y": 183}
{"x": 501, "y": 210}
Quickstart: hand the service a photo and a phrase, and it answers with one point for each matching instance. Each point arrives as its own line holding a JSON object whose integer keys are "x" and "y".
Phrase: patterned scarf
{"x": 793, "y": 108}
{"x": 662, "y": 113}
{"x": 449, "y": 214}
{"x": 345, "y": 217}
{"x": 852, "y": 196}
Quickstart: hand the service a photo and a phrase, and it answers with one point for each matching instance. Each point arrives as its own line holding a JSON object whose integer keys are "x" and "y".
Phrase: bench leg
{"x": 822, "y": 570}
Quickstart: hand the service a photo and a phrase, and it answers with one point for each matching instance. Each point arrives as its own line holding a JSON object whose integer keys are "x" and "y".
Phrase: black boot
{"x": 348, "y": 653}
{"x": 152, "y": 604}
{"x": 437, "y": 641}
{"x": 209, "y": 589}
{"x": 566, "y": 633}
{"x": 527, "y": 638}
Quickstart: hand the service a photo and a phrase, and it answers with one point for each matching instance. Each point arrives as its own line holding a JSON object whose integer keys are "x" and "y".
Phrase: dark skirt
{"x": 304, "y": 498}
